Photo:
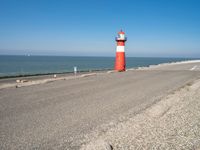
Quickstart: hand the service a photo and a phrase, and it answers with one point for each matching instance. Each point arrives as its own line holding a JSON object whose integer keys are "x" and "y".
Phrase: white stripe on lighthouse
{"x": 120, "y": 48}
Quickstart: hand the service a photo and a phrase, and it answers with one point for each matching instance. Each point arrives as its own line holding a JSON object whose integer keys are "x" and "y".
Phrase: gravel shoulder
{"x": 171, "y": 123}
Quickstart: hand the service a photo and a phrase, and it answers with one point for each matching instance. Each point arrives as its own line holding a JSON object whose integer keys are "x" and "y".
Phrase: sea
{"x": 12, "y": 66}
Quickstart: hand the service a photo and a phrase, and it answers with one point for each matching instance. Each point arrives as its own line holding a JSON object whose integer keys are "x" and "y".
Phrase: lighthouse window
{"x": 121, "y": 36}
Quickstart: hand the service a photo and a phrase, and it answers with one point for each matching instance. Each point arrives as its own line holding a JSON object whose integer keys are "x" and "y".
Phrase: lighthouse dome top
{"x": 121, "y": 32}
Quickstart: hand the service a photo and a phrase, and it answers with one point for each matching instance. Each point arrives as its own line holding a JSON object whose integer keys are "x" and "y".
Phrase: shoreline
{"x": 50, "y": 73}
{"x": 28, "y": 80}
{"x": 94, "y": 70}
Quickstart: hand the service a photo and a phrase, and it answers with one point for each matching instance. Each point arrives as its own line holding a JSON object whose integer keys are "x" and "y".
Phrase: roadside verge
{"x": 172, "y": 123}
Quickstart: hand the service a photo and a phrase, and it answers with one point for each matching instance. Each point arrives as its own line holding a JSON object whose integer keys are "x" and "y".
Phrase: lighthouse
{"x": 120, "y": 61}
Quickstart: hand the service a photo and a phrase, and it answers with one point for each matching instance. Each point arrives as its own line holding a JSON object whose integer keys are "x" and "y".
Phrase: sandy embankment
{"x": 167, "y": 64}
{"x": 172, "y": 123}
{"x": 25, "y": 82}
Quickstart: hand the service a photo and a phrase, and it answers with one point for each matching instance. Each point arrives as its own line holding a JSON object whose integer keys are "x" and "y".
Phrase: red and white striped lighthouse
{"x": 120, "y": 61}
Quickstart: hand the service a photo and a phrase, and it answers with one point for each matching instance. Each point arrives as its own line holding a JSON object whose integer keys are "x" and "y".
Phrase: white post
{"x": 75, "y": 70}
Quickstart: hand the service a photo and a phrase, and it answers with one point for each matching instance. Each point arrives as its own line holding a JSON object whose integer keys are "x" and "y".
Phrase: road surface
{"x": 57, "y": 115}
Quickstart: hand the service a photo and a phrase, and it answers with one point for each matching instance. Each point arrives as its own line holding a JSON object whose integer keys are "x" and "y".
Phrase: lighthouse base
{"x": 120, "y": 62}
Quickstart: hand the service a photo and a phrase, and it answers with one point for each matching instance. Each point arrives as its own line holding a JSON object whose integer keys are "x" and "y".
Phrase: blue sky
{"x": 155, "y": 28}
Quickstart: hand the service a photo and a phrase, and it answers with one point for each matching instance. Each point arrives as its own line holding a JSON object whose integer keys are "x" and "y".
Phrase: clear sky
{"x": 155, "y": 28}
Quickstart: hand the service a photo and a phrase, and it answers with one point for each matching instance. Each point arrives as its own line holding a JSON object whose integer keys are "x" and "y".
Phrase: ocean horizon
{"x": 22, "y": 65}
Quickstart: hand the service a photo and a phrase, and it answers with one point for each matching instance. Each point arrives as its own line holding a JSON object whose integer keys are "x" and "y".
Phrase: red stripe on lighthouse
{"x": 120, "y": 43}
{"x": 120, "y": 62}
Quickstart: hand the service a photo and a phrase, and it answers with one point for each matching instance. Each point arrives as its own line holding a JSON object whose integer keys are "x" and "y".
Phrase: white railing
{"x": 120, "y": 39}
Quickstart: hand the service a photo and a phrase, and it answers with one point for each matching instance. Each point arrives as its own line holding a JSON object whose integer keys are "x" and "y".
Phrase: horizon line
{"x": 29, "y": 55}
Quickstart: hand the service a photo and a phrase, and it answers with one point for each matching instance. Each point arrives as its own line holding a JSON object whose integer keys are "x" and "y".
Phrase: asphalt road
{"x": 57, "y": 115}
